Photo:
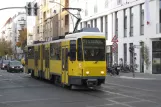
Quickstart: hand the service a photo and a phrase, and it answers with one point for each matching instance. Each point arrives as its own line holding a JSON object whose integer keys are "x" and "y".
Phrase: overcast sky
{"x": 5, "y": 14}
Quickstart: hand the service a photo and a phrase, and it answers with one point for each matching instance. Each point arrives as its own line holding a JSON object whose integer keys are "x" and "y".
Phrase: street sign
{"x": 114, "y": 39}
{"x": 114, "y": 47}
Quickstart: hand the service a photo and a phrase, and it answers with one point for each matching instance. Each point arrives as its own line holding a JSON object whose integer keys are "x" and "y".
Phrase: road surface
{"x": 20, "y": 90}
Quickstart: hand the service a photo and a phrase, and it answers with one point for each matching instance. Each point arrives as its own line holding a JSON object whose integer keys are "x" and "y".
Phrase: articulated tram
{"x": 77, "y": 59}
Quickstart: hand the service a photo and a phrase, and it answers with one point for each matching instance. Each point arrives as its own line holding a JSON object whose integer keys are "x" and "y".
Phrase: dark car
{"x": 15, "y": 66}
{"x": 0, "y": 63}
{"x": 4, "y": 64}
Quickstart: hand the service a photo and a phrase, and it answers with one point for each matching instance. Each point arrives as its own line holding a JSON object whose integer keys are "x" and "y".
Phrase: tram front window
{"x": 94, "y": 49}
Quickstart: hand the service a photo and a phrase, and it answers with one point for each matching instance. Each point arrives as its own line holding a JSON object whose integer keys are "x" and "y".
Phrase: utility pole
{"x": 132, "y": 51}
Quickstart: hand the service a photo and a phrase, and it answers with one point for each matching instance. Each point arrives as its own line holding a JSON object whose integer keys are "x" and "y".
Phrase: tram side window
{"x": 43, "y": 49}
{"x": 31, "y": 52}
{"x": 38, "y": 52}
{"x": 47, "y": 58}
{"x": 72, "y": 50}
{"x": 55, "y": 51}
{"x": 58, "y": 51}
{"x": 79, "y": 53}
{"x": 52, "y": 50}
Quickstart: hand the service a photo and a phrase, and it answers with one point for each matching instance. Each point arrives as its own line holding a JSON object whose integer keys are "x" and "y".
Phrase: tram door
{"x": 64, "y": 65}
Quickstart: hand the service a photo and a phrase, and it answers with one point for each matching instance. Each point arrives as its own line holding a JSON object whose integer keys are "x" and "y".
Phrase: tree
{"x": 147, "y": 61}
{"x": 5, "y": 47}
{"x": 23, "y": 37}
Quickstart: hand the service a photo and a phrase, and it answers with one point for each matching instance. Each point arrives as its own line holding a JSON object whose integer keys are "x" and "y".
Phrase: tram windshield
{"x": 94, "y": 49}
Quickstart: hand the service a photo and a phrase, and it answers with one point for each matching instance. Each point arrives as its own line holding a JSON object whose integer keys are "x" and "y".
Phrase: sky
{"x": 6, "y": 14}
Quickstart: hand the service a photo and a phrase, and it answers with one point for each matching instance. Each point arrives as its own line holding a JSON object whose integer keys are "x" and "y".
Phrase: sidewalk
{"x": 140, "y": 76}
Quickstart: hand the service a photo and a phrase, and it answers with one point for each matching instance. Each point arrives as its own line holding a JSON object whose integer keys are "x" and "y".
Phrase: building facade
{"x": 6, "y": 31}
{"x": 10, "y": 31}
{"x": 18, "y": 23}
{"x": 51, "y": 21}
{"x": 132, "y": 22}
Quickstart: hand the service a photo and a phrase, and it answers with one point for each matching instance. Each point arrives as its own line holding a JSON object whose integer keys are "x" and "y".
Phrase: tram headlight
{"x": 102, "y": 72}
{"x": 87, "y": 72}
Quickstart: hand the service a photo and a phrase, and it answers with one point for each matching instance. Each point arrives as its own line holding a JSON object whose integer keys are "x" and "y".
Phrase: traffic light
{"x": 35, "y": 9}
{"x": 29, "y": 9}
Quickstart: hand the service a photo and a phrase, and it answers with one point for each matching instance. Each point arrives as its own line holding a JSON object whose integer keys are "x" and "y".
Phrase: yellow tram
{"x": 77, "y": 59}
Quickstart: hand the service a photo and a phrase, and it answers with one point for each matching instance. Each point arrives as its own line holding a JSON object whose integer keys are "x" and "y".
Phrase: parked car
{"x": 0, "y": 63}
{"x": 14, "y": 66}
{"x": 4, "y": 64}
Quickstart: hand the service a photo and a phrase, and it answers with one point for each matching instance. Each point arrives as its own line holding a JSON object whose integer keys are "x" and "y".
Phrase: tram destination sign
{"x": 94, "y": 41}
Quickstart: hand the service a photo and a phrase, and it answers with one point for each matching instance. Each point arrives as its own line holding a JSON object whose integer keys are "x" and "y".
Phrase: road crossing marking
{"x": 130, "y": 87}
{"x": 32, "y": 100}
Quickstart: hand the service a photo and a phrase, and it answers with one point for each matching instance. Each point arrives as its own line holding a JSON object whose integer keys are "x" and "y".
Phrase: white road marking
{"x": 130, "y": 87}
{"x": 115, "y": 98}
{"x": 127, "y": 96}
{"x": 120, "y": 103}
{"x": 102, "y": 105}
{"x": 32, "y": 100}
{"x": 133, "y": 101}
{"x": 11, "y": 79}
{"x": 126, "y": 77}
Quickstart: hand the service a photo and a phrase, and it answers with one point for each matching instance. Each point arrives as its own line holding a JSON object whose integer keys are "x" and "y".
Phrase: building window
{"x": 45, "y": 2}
{"x": 81, "y": 25}
{"x": 85, "y": 24}
{"x": 131, "y": 55}
{"x": 119, "y": 2}
{"x": 50, "y": 11}
{"x": 116, "y": 26}
{"x": 22, "y": 18}
{"x": 91, "y": 23}
{"x": 66, "y": 20}
{"x": 142, "y": 20}
{"x": 125, "y": 53}
{"x": 125, "y": 24}
{"x": 95, "y": 22}
{"x": 106, "y": 3}
{"x": 95, "y": 7}
{"x": 131, "y": 23}
{"x": 38, "y": 30}
{"x": 101, "y": 24}
{"x": 86, "y": 10}
{"x": 106, "y": 27}
{"x": 88, "y": 25}
{"x": 142, "y": 57}
{"x": 51, "y": 25}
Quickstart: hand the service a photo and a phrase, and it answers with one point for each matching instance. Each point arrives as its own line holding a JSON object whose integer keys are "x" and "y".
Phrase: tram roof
{"x": 82, "y": 34}
{"x": 73, "y": 36}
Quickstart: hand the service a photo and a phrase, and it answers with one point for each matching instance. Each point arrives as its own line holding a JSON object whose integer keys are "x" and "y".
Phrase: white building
{"x": 133, "y": 22}
{"x": 18, "y": 23}
{"x": 6, "y": 30}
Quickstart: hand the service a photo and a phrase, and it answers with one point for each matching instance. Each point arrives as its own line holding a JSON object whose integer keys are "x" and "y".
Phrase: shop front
{"x": 156, "y": 57}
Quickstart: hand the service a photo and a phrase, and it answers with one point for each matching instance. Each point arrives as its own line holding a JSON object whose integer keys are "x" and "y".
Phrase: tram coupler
{"x": 92, "y": 82}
